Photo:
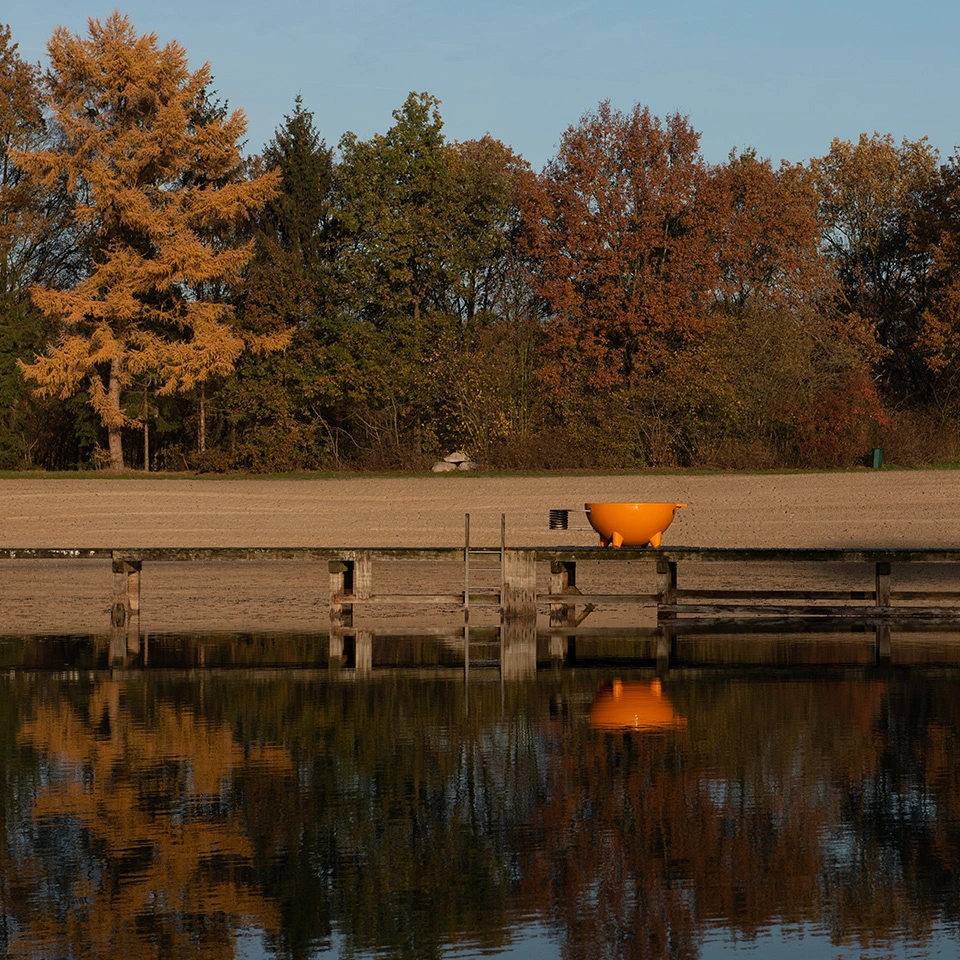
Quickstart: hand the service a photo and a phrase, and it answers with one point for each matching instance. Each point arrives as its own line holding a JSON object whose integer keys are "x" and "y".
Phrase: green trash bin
{"x": 877, "y": 458}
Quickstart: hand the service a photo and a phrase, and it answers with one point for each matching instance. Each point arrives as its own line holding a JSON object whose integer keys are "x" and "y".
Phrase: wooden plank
{"x": 800, "y": 611}
{"x": 606, "y": 633}
{"x": 763, "y": 555}
{"x": 554, "y": 598}
{"x": 56, "y": 553}
{"x": 200, "y": 554}
{"x": 362, "y": 575}
{"x": 563, "y": 554}
{"x": 900, "y": 595}
{"x": 776, "y": 594}
{"x": 414, "y": 598}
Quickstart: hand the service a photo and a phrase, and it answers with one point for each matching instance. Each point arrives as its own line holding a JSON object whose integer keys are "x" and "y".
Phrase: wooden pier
{"x": 512, "y": 585}
{"x": 879, "y": 600}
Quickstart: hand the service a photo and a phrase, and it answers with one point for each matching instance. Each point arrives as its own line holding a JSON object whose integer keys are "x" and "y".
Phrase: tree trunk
{"x": 203, "y": 418}
{"x": 113, "y": 427}
{"x": 146, "y": 431}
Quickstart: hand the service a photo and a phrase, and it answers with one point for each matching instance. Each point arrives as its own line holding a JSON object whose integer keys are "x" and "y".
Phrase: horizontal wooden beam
{"x": 56, "y": 553}
{"x": 578, "y": 599}
{"x": 796, "y": 610}
{"x": 191, "y": 554}
{"x": 415, "y": 598}
{"x": 776, "y": 594}
{"x": 760, "y": 555}
{"x": 763, "y": 555}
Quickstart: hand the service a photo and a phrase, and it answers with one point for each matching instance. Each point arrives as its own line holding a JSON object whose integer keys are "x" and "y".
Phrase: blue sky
{"x": 784, "y": 79}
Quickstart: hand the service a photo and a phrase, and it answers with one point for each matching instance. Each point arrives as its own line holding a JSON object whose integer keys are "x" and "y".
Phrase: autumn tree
{"x": 620, "y": 253}
{"x": 781, "y": 355}
{"x": 939, "y": 340}
{"x": 21, "y": 123}
{"x": 153, "y": 175}
{"x": 37, "y": 245}
{"x": 768, "y": 247}
{"x": 874, "y": 196}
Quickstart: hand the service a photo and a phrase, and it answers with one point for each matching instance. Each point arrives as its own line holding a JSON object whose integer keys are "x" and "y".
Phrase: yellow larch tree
{"x": 160, "y": 197}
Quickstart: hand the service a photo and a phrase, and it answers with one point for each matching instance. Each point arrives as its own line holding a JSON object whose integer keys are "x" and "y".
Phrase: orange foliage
{"x": 121, "y": 788}
{"x": 619, "y": 246}
{"x": 156, "y": 173}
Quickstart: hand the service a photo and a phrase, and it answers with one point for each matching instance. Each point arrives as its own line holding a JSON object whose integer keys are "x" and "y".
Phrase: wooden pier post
{"x": 519, "y": 600}
{"x": 125, "y": 608}
{"x": 666, "y": 588}
{"x": 883, "y": 583}
{"x": 348, "y": 578}
{"x": 563, "y": 579}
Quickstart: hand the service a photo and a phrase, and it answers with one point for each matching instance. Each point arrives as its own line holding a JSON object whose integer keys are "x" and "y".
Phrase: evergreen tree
{"x": 280, "y": 407}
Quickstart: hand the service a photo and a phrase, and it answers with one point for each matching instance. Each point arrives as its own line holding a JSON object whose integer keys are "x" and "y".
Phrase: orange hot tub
{"x": 631, "y": 524}
{"x": 634, "y": 706}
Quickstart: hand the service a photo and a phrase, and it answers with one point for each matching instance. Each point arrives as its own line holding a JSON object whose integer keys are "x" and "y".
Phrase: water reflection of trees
{"x": 789, "y": 804}
{"x": 160, "y": 818}
{"x": 132, "y": 847}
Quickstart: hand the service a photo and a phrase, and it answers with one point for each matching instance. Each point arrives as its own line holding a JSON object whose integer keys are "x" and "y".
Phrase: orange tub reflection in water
{"x": 634, "y": 706}
{"x": 631, "y": 524}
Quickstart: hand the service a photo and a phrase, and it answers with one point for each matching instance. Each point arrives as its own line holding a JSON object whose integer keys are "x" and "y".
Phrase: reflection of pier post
{"x": 666, "y": 646}
{"x": 518, "y": 649}
{"x": 563, "y": 579}
{"x": 883, "y": 643}
{"x": 335, "y": 649}
{"x": 561, "y": 648}
{"x": 125, "y": 609}
{"x": 363, "y": 652}
{"x": 883, "y": 602}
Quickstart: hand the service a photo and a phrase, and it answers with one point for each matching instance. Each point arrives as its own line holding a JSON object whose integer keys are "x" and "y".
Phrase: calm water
{"x": 587, "y": 811}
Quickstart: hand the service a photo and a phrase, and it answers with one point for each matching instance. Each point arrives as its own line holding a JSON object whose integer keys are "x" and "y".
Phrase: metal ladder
{"x": 479, "y": 560}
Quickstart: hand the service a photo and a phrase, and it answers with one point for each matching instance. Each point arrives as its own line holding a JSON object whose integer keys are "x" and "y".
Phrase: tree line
{"x": 168, "y": 303}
